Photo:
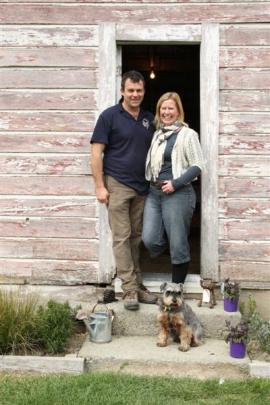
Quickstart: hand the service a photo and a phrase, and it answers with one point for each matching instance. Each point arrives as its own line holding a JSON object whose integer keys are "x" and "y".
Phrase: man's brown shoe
{"x": 130, "y": 298}
{"x": 145, "y": 296}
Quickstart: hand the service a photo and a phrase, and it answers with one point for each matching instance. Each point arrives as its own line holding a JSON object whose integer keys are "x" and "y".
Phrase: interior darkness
{"x": 176, "y": 68}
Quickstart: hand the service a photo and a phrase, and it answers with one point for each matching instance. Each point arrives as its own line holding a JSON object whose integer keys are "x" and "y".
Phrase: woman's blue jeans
{"x": 166, "y": 222}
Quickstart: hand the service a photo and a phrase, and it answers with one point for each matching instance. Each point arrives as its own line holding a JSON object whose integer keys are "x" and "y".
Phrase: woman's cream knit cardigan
{"x": 186, "y": 152}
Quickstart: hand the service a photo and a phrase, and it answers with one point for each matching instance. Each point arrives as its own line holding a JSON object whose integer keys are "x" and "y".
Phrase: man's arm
{"x": 102, "y": 193}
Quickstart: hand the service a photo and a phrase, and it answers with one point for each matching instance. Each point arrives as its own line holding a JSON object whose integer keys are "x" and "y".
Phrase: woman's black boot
{"x": 179, "y": 272}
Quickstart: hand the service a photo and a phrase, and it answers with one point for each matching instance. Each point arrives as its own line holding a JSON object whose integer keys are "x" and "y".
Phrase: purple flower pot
{"x": 230, "y": 305}
{"x": 237, "y": 350}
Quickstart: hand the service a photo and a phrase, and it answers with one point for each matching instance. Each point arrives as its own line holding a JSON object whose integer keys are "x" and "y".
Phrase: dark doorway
{"x": 176, "y": 68}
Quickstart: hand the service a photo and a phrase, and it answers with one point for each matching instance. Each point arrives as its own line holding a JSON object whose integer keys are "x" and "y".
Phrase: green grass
{"x": 55, "y": 326}
{"x": 17, "y": 322}
{"x": 120, "y": 389}
{"x": 26, "y": 327}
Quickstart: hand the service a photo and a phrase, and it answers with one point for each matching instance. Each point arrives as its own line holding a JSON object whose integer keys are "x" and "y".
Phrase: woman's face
{"x": 168, "y": 112}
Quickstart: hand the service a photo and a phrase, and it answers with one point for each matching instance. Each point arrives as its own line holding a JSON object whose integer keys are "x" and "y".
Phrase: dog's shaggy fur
{"x": 177, "y": 319}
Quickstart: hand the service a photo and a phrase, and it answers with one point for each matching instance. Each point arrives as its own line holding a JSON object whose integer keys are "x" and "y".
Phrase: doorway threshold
{"x": 153, "y": 281}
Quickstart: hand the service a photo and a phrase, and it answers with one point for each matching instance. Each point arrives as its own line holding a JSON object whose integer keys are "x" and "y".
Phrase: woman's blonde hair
{"x": 171, "y": 95}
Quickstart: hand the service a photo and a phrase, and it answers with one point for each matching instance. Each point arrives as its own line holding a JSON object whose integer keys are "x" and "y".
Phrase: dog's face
{"x": 172, "y": 294}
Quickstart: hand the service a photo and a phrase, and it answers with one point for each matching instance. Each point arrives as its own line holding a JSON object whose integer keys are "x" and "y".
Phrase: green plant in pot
{"x": 237, "y": 336}
{"x": 258, "y": 346}
{"x": 231, "y": 292}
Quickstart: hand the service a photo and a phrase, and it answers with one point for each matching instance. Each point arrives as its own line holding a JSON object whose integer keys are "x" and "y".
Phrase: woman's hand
{"x": 167, "y": 187}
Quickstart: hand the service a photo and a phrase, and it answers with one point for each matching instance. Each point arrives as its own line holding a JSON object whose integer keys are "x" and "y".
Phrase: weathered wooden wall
{"x": 48, "y": 103}
{"x": 244, "y": 148}
{"x": 48, "y": 106}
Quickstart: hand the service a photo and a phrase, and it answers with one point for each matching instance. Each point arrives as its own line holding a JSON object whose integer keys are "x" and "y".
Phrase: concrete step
{"x": 153, "y": 281}
{"x": 144, "y": 321}
{"x": 140, "y": 355}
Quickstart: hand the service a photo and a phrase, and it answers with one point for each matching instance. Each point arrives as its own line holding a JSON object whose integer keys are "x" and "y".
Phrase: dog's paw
{"x": 183, "y": 348}
{"x": 194, "y": 344}
{"x": 161, "y": 344}
{"x": 199, "y": 342}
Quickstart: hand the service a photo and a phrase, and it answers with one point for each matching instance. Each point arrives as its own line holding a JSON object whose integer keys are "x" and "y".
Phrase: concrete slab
{"x": 153, "y": 281}
{"x": 140, "y": 355}
{"x": 259, "y": 369}
{"x": 144, "y": 321}
{"x": 43, "y": 364}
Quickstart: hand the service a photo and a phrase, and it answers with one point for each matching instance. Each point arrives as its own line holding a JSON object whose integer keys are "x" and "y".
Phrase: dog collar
{"x": 169, "y": 308}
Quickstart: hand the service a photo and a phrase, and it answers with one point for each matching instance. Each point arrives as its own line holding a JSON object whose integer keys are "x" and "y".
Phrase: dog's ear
{"x": 163, "y": 286}
{"x": 181, "y": 286}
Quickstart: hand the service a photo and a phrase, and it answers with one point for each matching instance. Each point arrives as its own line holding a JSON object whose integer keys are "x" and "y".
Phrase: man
{"x": 123, "y": 134}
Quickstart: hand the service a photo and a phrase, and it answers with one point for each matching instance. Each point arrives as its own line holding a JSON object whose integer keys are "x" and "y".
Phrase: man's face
{"x": 133, "y": 94}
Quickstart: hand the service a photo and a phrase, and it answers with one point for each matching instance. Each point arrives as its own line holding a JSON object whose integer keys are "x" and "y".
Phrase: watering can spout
{"x": 87, "y": 325}
{"x": 82, "y": 316}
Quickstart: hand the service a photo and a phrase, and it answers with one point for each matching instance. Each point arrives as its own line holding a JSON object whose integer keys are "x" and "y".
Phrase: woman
{"x": 174, "y": 160}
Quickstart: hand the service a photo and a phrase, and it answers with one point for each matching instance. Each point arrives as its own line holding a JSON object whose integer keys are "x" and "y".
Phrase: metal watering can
{"x": 99, "y": 324}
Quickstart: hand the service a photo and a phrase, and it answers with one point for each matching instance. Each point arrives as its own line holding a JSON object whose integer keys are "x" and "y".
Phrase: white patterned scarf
{"x": 158, "y": 146}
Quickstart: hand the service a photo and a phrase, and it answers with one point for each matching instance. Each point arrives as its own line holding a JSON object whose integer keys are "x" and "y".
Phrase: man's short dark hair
{"x": 134, "y": 76}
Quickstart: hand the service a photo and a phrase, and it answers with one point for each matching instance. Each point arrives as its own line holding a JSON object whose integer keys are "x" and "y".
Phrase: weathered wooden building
{"x": 60, "y": 65}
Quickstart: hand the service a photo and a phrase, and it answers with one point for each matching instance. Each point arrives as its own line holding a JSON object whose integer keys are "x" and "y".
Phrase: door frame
{"x": 111, "y": 36}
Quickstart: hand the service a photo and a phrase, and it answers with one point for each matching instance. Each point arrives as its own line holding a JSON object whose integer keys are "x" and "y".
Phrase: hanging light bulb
{"x": 152, "y": 74}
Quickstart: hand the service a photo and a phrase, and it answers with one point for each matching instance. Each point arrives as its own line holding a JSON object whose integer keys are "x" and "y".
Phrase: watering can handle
{"x": 109, "y": 311}
{"x": 99, "y": 303}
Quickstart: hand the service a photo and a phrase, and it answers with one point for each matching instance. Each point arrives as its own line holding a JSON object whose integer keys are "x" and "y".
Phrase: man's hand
{"x": 102, "y": 195}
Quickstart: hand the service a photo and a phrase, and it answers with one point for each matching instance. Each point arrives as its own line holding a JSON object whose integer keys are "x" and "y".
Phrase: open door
{"x": 187, "y": 61}
{"x": 168, "y": 67}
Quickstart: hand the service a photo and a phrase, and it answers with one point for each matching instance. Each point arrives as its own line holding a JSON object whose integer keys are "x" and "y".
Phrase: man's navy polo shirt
{"x": 127, "y": 142}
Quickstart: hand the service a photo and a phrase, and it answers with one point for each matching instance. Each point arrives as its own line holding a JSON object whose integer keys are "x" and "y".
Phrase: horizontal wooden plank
{"x": 245, "y": 100}
{"x": 239, "y": 144}
{"x": 49, "y": 56}
{"x": 47, "y": 185}
{"x": 248, "y": 123}
{"x": 79, "y": 228}
{"x": 73, "y": 273}
{"x": 170, "y": 33}
{"x": 74, "y": 294}
{"x": 65, "y": 249}
{"x": 14, "y": 274}
{"x": 137, "y": 1}
{"x": 44, "y": 142}
{"x": 245, "y": 78}
{"x": 92, "y": 14}
{"x": 41, "y": 35}
{"x": 48, "y": 78}
{"x": 244, "y": 229}
{"x": 49, "y": 207}
{"x": 245, "y": 271}
{"x": 244, "y": 34}
{"x": 49, "y": 272}
{"x": 48, "y": 164}
{"x": 243, "y": 208}
{"x": 247, "y": 251}
{"x": 48, "y": 100}
{"x": 255, "y": 285}
{"x": 245, "y": 57}
{"x": 244, "y": 166}
{"x": 46, "y": 121}
{"x": 255, "y": 187}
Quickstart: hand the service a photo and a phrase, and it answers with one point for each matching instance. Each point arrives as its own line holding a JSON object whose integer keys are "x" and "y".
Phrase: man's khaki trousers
{"x": 125, "y": 209}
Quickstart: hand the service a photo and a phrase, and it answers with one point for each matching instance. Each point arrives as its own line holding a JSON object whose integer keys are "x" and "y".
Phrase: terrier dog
{"x": 177, "y": 319}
